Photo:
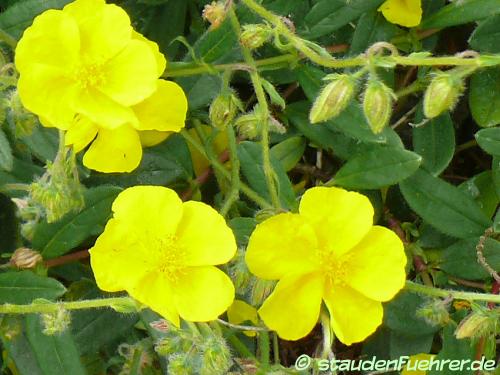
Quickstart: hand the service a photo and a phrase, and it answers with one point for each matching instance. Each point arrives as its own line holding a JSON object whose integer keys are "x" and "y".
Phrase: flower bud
{"x": 377, "y": 105}
{"x": 223, "y": 110}
{"x": 57, "y": 322}
{"x": 435, "y": 312}
{"x": 216, "y": 356}
{"x": 442, "y": 94}
{"x": 241, "y": 276}
{"x": 248, "y": 126}
{"x": 477, "y": 324}
{"x": 261, "y": 290}
{"x": 215, "y": 13}
{"x": 254, "y": 36}
{"x": 22, "y": 120}
{"x": 25, "y": 258}
{"x": 334, "y": 98}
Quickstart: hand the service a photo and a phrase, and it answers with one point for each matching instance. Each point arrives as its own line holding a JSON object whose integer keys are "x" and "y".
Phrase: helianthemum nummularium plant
{"x": 328, "y": 252}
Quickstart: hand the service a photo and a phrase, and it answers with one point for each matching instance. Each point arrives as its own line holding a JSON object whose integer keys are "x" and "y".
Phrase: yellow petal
{"x": 105, "y": 29}
{"x": 292, "y": 309}
{"x": 150, "y": 138}
{"x": 282, "y": 245}
{"x": 155, "y": 291}
{"x": 353, "y": 316}
{"x": 376, "y": 266}
{"x": 150, "y": 209}
{"x": 204, "y": 235}
{"x": 102, "y": 110}
{"x": 240, "y": 312}
{"x": 52, "y": 40}
{"x": 165, "y": 110}
{"x": 202, "y": 293}
{"x": 46, "y": 92}
{"x": 117, "y": 150}
{"x": 131, "y": 75}
{"x": 116, "y": 260}
{"x": 402, "y": 12}
{"x": 161, "y": 62}
{"x": 80, "y": 134}
{"x": 340, "y": 218}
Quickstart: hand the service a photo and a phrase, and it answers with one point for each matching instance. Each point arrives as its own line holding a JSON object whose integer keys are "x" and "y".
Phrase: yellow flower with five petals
{"x": 84, "y": 69}
{"x": 330, "y": 251}
{"x": 163, "y": 252}
{"x": 406, "y": 13}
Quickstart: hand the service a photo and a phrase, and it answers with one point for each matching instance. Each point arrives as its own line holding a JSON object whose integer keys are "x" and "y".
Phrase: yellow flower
{"x": 411, "y": 367}
{"x": 402, "y": 12}
{"x": 85, "y": 70}
{"x": 163, "y": 252}
{"x": 240, "y": 312}
{"x": 330, "y": 251}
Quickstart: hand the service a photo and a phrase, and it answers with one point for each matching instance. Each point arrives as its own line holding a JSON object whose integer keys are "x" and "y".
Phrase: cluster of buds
{"x": 481, "y": 322}
{"x": 254, "y": 36}
{"x": 189, "y": 352}
{"x": 58, "y": 191}
{"x": 249, "y": 125}
{"x": 435, "y": 312}
{"x": 224, "y": 109}
{"x": 57, "y": 322}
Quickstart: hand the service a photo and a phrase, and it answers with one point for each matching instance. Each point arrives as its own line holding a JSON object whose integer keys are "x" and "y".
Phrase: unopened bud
{"x": 248, "y": 126}
{"x": 25, "y": 258}
{"x": 57, "y": 322}
{"x": 22, "y": 120}
{"x": 241, "y": 276}
{"x": 442, "y": 94}
{"x": 254, "y": 36}
{"x": 477, "y": 324}
{"x": 223, "y": 109}
{"x": 275, "y": 126}
{"x": 377, "y": 105}
{"x": 334, "y": 98}
{"x": 435, "y": 312}
{"x": 216, "y": 356}
{"x": 261, "y": 290}
{"x": 215, "y": 13}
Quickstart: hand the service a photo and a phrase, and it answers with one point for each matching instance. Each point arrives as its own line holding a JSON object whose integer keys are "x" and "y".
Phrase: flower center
{"x": 90, "y": 75}
{"x": 334, "y": 268}
{"x": 169, "y": 258}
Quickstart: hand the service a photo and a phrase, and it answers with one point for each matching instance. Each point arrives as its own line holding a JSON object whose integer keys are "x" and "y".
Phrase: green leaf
{"x": 485, "y": 36}
{"x": 351, "y": 121}
{"x": 484, "y": 97}
{"x": 495, "y": 170}
{"x": 435, "y": 142}
{"x": 43, "y": 143}
{"x": 460, "y": 12}
{"x": 444, "y": 206}
{"x": 377, "y": 167}
{"x": 25, "y": 286}
{"x": 489, "y": 140}
{"x": 9, "y": 225}
{"x": 454, "y": 349}
{"x": 251, "y": 166}
{"x": 58, "y": 238}
{"x": 6, "y": 158}
{"x": 20, "y": 15}
{"x": 242, "y": 228}
{"x": 496, "y": 222}
{"x": 372, "y": 27}
{"x": 289, "y": 152}
{"x": 22, "y": 172}
{"x": 460, "y": 259}
{"x": 327, "y": 16}
{"x": 56, "y": 354}
{"x": 481, "y": 188}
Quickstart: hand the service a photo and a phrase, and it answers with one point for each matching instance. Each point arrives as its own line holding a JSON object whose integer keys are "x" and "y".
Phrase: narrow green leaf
{"x": 481, "y": 188}
{"x": 289, "y": 152}
{"x": 377, "y": 167}
{"x": 25, "y": 286}
{"x": 485, "y": 36}
{"x": 58, "y": 238}
{"x": 460, "y": 12}
{"x": 484, "y": 97}
{"x": 496, "y": 222}
{"x": 6, "y": 158}
{"x": 327, "y": 16}
{"x": 56, "y": 354}
{"x": 435, "y": 142}
{"x": 251, "y": 165}
{"x": 460, "y": 259}
{"x": 489, "y": 140}
{"x": 444, "y": 206}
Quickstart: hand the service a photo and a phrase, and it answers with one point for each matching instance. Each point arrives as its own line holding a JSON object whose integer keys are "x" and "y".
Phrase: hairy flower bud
{"x": 435, "y": 312}
{"x": 248, "y": 126}
{"x": 216, "y": 357}
{"x": 57, "y": 322}
{"x": 477, "y": 324}
{"x": 255, "y": 35}
{"x": 223, "y": 110}
{"x": 377, "y": 105}
{"x": 23, "y": 121}
{"x": 25, "y": 258}
{"x": 215, "y": 13}
{"x": 442, "y": 93}
{"x": 261, "y": 290}
{"x": 334, "y": 98}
